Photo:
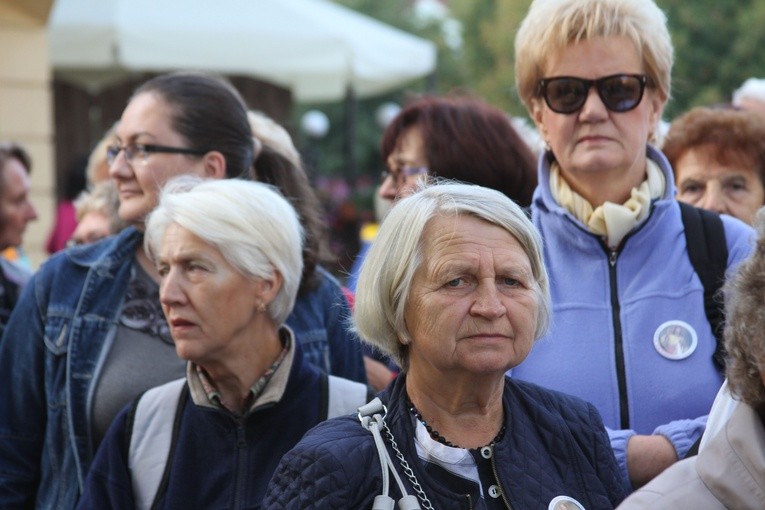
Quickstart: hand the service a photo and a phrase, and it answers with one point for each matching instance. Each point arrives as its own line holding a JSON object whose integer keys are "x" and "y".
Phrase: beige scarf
{"x": 612, "y": 221}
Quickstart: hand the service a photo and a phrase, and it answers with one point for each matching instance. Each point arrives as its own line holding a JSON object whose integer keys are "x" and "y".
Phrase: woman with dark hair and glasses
{"x": 458, "y": 138}
{"x": 631, "y": 334}
{"x": 453, "y": 137}
{"x": 88, "y": 334}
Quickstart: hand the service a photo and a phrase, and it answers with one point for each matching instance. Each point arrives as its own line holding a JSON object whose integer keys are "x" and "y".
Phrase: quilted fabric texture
{"x": 555, "y": 445}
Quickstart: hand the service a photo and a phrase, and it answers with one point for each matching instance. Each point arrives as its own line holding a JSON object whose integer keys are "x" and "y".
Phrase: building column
{"x": 26, "y": 106}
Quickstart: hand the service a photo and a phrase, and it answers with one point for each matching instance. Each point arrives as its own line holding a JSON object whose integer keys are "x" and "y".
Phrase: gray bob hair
{"x": 384, "y": 285}
{"x": 255, "y": 229}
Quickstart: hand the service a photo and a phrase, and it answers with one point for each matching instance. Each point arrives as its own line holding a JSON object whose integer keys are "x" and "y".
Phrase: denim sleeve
{"x": 109, "y": 484}
{"x": 23, "y": 403}
{"x": 346, "y": 359}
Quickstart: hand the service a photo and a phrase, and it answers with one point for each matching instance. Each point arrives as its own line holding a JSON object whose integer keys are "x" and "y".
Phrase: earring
{"x": 261, "y": 307}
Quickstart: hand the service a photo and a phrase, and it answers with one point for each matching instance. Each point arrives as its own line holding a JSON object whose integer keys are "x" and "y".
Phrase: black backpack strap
{"x": 708, "y": 252}
{"x": 324, "y": 395}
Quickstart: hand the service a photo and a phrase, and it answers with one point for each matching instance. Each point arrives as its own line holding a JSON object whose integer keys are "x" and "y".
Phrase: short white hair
{"x": 255, "y": 229}
{"x": 382, "y": 293}
{"x": 752, "y": 88}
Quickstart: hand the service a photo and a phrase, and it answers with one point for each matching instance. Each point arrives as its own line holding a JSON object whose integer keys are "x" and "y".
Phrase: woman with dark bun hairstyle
{"x": 88, "y": 334}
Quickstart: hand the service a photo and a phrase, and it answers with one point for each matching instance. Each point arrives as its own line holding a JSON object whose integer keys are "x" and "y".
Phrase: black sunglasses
{"x": 619, "y": 92}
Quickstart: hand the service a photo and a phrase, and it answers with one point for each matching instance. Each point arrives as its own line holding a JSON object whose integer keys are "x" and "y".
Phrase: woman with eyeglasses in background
{"x": 88, "y": 334}
{"x": 453, "y": 137}
{"x": 458, "y": 138}
{"x": 595, "y": 77}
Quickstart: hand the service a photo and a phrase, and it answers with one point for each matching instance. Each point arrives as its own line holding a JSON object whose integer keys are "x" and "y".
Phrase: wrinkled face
{"x": 730, "y": 188}
{"x": 407, "y": 165}
{"x": 147, "y": 120}
{"x": 594, "y": 140}
{"x": 15, "y": 208}
{"x": 210, "y": 306}
{"x": 472, "y": 305}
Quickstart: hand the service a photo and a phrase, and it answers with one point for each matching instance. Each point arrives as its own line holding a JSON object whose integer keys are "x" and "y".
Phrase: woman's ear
{"x": 537, "y": 109}
{"x": 214, "y": 165}
{"x": 657, "y": 103}
{"x": 269, "y": 287}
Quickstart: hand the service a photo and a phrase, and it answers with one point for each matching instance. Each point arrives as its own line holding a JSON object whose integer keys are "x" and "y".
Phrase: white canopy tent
{"x": 315, "y": 48}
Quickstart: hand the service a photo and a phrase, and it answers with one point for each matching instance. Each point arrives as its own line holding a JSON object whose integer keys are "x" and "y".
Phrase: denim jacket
{"x": 56, "y": 343}
{"x": 50, "y": 356}
{"x": 320, "y": 321}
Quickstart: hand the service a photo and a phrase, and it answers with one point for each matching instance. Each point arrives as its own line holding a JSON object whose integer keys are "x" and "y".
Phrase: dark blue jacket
{"x": 218, "y": 460}
{"x": 554, "y": 445}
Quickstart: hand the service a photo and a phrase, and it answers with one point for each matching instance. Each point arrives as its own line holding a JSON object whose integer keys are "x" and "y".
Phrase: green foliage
{"x": 489, "y": 28}
{"x": 718, "y": 44}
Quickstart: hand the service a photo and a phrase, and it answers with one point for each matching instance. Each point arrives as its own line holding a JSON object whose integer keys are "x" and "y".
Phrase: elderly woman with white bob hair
{"x": 229, "y": 253}
{"x": 455, "y": 289}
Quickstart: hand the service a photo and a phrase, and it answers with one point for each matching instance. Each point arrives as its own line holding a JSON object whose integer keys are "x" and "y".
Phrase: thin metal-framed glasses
{"x": 618, "y": 92}
{"x": 142, "y": 150}
{"x": 400, "y": 177}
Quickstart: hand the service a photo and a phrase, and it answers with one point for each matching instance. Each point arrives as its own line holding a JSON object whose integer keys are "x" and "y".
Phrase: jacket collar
{"x": 109, "y": 252}
{"x": 272, "y": 394}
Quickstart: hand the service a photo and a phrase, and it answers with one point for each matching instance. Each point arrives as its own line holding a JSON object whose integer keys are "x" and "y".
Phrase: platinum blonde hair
{"x": 255, "y": 229}
{"x": 552, "y": 25}
{"x": 384, "y": 286}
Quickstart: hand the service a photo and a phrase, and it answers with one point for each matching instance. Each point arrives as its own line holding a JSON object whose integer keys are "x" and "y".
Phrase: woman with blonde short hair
{"x": 595, "y": 76}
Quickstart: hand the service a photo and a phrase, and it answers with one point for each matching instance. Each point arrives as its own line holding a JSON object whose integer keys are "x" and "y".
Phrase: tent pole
{"x": 351, "y": 106}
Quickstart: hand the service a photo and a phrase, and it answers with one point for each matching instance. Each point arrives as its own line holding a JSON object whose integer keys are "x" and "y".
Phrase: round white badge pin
{"x": 564, "y": 503}
{"x": 675, "y": 340}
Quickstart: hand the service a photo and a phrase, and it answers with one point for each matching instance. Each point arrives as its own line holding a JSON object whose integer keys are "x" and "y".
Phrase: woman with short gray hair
{"x": 229, "y": 253}
{"x": 455, "y": 289}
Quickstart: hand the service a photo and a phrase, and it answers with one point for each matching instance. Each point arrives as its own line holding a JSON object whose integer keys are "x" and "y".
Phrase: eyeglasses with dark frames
{"x": 618, "y": 92}
{"x": 400, "y": 177}
{"x": 142, "y": 150}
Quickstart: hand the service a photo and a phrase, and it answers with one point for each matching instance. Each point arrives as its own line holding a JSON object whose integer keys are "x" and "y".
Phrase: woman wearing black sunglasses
{"x": 630, "y": 332}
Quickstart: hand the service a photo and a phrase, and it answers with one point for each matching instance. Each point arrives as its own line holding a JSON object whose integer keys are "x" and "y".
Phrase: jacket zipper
{"x": 624, "y": 412}
{"x": 241, "y": 444}
{"x": 496, "y": 479}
